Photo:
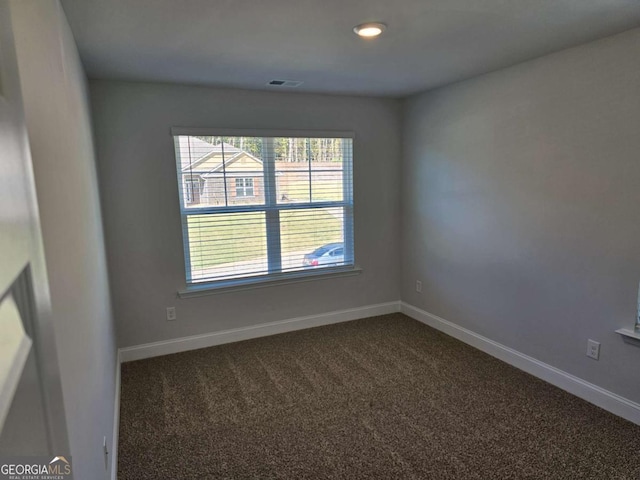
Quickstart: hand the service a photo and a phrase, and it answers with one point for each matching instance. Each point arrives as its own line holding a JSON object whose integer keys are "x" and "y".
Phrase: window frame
{"x": 244, "y": 187}
{"x": 271, "y": 208}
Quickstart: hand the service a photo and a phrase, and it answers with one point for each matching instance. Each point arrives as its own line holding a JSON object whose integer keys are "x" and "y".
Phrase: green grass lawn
{"x": 308, "y": 229}
{"x": 298, "y": 189}
{"x": 224, "y": 238}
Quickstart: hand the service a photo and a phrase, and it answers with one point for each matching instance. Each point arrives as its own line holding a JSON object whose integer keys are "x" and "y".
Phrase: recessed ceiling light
{"x": 369, "y": 29}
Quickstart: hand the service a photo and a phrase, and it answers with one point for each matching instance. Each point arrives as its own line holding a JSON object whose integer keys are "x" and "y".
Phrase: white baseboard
{"x": 604, "y": 399}
{"x": 116, "y": 422}
{"x": 194, "y": 342}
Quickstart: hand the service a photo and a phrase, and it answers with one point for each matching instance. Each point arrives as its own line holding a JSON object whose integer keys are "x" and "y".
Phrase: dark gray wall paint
{"x": 142, "y": 220}
{"x": 520, "y": 207}
{"x": 58, "y": 125}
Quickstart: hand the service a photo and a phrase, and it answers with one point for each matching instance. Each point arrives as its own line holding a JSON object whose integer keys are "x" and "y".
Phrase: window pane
{"x": 327, "y": 168}
{"x": 292, "y": 170}
{"x": 326, "y": 182}
{"x": 244, "y": 187}
{"x": 220, "y": 171}
{"x": 309, "y": 237}
{"x": 310, "y": 169}
{"x": 227, "y": 245}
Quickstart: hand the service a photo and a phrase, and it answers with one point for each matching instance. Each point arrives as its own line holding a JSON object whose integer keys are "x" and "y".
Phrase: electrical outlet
{"x": 171, "y": 313}
{"x": 593, "y": 349}
{"x": 106, "y": 453}
{"x": 418, "y": 286}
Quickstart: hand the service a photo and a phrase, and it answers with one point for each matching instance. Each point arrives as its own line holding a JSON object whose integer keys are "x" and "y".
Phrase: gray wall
{"x": 58, "y": 125}
{"x": 142, "y": 220}
{"x": 521, "y": 207}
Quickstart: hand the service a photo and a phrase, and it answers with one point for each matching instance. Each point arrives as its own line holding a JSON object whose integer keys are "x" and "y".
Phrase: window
{"x": 244, "y": 187}
{"x": 266, "y": 206}
{"x": 192, "y": 190}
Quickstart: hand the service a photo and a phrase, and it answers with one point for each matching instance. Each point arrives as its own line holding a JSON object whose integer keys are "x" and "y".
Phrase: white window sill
{"x": 250, "y": 283}
{"x": 629, "y": 334}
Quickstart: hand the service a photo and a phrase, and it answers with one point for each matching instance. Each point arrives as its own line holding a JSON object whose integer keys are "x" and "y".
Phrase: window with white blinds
{"x": 258, "y": 207}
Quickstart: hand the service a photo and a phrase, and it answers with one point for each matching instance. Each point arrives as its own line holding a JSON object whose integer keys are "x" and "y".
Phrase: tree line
{"x": 288, "y": 149}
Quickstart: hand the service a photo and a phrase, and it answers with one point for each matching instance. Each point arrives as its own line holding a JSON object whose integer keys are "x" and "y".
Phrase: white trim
{"x": 194, "y": 342}
{"x": 116, "y": 422}
{"x": 594, "y": 394}
{"x": 262, "y": 281}
{"x": 259, "y": 132}
{"x": 627, "y": 332}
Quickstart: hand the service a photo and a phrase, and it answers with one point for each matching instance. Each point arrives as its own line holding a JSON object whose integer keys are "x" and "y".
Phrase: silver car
{"x": 326, "y": 255}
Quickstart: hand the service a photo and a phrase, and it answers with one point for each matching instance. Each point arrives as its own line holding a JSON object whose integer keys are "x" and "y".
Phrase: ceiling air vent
{"x": 284, "y": 83}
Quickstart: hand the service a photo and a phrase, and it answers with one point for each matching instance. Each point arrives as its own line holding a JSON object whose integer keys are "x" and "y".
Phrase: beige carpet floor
{"x": 384, "y": 397}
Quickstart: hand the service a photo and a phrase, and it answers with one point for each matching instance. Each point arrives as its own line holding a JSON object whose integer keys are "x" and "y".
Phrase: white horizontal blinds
{"x": 303, "y": 232}
{"x": 220, "y": 171}
{"x": 227, "y": 245}
{"x": 310, "y": 169}
{"x": 264, "y": 205}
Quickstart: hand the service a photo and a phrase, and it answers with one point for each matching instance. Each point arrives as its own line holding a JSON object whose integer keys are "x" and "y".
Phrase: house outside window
{"x": 263, "y": 207}
{"x": 244, "y": 187}
{"x": 192, "y": 190}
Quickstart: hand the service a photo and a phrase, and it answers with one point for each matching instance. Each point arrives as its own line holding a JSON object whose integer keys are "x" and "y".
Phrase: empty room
{"x": 319, "y": 239}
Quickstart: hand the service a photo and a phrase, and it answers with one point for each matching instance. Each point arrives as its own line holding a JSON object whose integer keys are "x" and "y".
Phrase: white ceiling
{"x": 246, "y": 43}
